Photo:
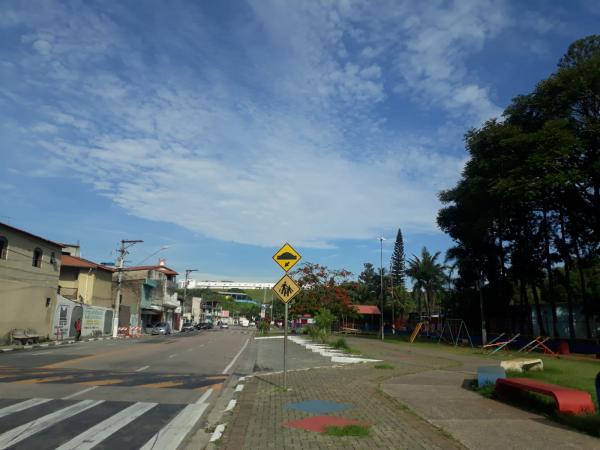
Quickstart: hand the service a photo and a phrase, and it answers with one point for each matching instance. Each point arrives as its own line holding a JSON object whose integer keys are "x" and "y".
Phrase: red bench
{"x": 570, "y": 401}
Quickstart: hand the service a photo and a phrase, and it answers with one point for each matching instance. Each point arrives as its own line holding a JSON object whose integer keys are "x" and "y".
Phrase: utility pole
{"x": 392, "y": 295}
{"x": 185, "y": 285}
{"x": 125, "y": 244}
{"x": 381, "y": 239}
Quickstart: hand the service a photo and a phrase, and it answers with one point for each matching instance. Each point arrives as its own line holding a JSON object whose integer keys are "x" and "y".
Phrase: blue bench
{"x": 489, "y": 374}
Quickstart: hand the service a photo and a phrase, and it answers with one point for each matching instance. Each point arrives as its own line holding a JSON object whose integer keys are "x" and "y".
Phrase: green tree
{"x": 397, "y": 264}
{"x": 428, "y": 276}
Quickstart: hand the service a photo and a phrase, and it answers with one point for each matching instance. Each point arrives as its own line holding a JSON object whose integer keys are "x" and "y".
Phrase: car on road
{"x": 188, "y": 326}
{"x": 161, "y": 328}
{"x": 244, "y": 322}
{"x": 224, "y": 325}
{"x": 204, "y": 326}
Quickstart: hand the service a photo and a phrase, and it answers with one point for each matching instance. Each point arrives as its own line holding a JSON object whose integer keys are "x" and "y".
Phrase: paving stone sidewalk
{"x": 257, "y": 421}
{"x": 441, "y": 396}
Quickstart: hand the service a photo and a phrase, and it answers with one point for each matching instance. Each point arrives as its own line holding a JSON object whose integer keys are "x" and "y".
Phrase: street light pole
{"x": 483, "y": 328}
{"x": 125, "y": 244}
{"x": 381, "y": 239}
{"x": 185, "y": 285}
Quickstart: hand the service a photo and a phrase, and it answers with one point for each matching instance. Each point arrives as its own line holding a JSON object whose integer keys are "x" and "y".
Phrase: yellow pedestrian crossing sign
{"x": 286, "y": 289}
{"x": 287, "y": 257}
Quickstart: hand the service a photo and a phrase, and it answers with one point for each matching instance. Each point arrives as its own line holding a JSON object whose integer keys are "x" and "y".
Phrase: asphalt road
{"x": 126, "y": 394}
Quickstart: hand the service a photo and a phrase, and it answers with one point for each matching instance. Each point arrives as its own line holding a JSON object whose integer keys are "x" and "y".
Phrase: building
{"x": 86, "y": 282}
{"x": 149, "y": 296}
{"x": 29, "y": 271}
{"x": 196, "y": 284}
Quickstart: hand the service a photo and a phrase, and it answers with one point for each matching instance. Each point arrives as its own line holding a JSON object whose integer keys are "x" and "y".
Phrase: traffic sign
{"x": 286, "y": 257}
{"x": 286, "y": 288}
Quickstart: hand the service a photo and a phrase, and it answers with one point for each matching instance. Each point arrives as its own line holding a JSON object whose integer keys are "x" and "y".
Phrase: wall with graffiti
{"x": 95, "y": 321}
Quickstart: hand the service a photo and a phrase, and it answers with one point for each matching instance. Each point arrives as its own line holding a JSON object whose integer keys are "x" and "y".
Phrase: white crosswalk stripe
{"x": 101, "y": 431}
{"x": 175, "y": 432}
{"x": 18, "y": 434}
{"x": 22, "y": 406}
{"x": 108, "y": 430}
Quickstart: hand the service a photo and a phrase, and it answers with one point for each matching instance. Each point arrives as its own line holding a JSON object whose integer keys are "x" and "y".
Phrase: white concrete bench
{"x": 522, "y": 364}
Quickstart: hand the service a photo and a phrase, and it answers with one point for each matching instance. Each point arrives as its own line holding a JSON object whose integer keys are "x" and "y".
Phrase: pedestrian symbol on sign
{"x": 285, "y": 290}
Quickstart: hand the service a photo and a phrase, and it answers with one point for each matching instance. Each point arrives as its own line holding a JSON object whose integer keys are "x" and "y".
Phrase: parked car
{"x": 188, "y": 326}
{"x": 204, "y": 326}
{"x": 161, "y": 328}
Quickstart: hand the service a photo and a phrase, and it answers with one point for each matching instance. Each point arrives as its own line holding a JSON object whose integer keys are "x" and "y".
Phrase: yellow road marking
{"x": 39, "y": 380}
{"x": 164, "y": 384}
{"x": 101, "y": 382}
{"x": 147, "y": 347}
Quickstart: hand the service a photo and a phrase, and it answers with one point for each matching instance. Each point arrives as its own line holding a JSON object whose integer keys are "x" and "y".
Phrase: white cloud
{"x": 287, "y": 145}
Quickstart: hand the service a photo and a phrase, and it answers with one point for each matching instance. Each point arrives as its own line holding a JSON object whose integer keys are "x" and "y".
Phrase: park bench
{"x": 348, "y": 330}
{"x": 489, "y": 374}
{"x": 24, "y": 336}
{"x": 568, "y": 401}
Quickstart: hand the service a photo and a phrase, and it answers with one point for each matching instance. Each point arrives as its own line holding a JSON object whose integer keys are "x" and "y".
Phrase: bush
{"x": 341, "y": 344}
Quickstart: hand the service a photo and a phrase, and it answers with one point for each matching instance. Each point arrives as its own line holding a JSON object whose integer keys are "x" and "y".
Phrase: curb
{"x": 67, "y": 342}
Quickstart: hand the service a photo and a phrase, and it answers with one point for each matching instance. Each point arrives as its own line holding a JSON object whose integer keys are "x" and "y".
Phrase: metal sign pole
{"x": 285, "y": 332}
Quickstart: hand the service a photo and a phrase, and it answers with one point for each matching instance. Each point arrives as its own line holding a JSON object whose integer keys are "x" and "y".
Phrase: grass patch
{"x": 348, "y": 430}
{"x": 383, "y": 366}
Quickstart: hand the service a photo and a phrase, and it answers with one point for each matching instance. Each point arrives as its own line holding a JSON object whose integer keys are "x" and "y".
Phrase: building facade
{"x": 149, "y": 296}
{"x": 29, "y": 271}
{"x": 197, "y": 284}
{"x": 86, "y": 282}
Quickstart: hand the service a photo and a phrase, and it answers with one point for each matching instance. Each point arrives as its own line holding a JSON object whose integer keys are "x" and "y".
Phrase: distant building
{"x": 197, "y": 284}
{"x": 29, "y": 270}
{"x": 85, "y": 281}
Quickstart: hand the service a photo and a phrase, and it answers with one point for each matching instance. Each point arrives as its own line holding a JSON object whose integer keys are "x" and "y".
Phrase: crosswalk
{"x": 44, "y": 423}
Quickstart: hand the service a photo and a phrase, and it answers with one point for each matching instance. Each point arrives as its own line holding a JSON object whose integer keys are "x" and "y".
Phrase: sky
{"x": 222, "y": 129}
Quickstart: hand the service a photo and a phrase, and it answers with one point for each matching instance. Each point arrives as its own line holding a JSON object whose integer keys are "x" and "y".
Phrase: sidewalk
{"x": 440, "y": 396}
{"x": 421, "y": 403}
{"x": 263, "y": 408}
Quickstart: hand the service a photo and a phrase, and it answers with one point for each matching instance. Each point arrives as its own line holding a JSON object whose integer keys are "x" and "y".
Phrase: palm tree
{"x": 428, "y": 276}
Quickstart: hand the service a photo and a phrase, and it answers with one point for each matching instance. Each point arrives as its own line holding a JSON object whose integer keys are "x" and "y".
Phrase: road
{"x": 126, "y": 394}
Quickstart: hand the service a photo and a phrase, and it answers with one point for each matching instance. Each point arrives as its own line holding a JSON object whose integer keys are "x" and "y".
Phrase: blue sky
{"x": 224, "y": 128}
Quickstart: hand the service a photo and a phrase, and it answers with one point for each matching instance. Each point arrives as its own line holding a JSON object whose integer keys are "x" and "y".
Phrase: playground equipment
{"x": 538, "y": 342}
{"x": 415, "y": 332}
{"x": 452, "y": 331}
{"x": 496, "y": 344}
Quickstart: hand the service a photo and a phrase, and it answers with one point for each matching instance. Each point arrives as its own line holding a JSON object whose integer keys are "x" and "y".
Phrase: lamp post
{"x": 185, "y": 285}
{"x": 479, "y": 284}
{"x": 381, "y": 239}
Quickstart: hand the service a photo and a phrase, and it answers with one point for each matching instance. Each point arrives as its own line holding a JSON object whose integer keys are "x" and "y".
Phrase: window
{"x": 37, "y": 257}
{"x": 3, "y": 247}
{"x": 52, "y": 258}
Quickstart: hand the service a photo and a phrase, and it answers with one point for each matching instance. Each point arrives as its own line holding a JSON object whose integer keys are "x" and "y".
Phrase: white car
{"x": 224, "y": 325}
{"x": 244, "y": 322}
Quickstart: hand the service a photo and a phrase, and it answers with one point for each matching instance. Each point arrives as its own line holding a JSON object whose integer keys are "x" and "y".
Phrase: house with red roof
{"x": 85, "y": 281}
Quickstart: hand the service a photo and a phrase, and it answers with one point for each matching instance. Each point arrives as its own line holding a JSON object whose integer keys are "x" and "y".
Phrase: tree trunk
{"x": 550, "y": 276}
{"x": 567, "y": 260}
{"x": 538, "y": 310}
{"x": 584, "y": 298}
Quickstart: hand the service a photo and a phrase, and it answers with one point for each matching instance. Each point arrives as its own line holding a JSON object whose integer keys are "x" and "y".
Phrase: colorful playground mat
{"x": 320, "y": 423}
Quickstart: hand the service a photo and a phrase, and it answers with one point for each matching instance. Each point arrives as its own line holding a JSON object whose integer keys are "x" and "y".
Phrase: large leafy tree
{"x": 322, "y": 288}
{"x": 525, "y": 215}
